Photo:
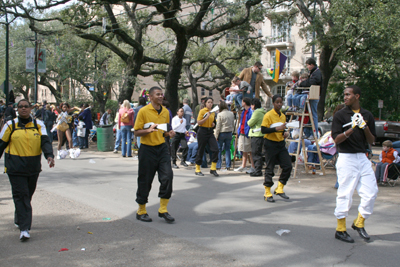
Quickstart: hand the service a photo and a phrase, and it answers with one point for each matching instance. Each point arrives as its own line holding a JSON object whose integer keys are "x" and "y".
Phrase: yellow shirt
{"x": 270, "y": 118}
{"x": 149, "y": 114}
{"x": 208, "y": 123}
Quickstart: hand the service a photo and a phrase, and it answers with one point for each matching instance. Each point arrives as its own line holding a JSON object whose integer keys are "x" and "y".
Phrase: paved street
{"x": 220, "y": 221}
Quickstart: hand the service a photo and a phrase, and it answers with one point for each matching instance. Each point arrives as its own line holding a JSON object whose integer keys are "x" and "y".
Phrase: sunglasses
{"x": 25, "y": 106}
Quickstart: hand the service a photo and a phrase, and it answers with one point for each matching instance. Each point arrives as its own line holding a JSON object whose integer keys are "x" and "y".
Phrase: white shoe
{"x": 58, "y": 154}
{"x": 188, "y": 163}
{"x": 240, "y": 169}
{"x": 24, "y": 235}
{"x": 250, "y": 170}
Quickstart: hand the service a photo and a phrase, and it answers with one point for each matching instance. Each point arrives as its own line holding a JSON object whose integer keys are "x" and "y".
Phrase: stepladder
{"x": 301, "y": 148}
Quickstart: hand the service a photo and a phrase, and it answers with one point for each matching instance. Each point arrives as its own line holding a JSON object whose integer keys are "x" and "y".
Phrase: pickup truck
{"x": 385, "y": 130}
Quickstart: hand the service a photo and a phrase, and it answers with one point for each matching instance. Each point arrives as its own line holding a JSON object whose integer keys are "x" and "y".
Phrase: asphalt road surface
{"x": 87, "y": 205}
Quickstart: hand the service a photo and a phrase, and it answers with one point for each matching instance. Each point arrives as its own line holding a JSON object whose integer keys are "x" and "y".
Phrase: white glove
{"x": 355, "y": 120}
{"x": 358, "y": 121}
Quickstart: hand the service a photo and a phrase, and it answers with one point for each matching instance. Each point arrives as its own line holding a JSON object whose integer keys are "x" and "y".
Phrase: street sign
{"x": 380, "y": 103}
{"x": 30, "y": 60}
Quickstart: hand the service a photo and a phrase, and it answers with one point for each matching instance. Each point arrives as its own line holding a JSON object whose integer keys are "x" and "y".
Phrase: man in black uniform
{"x": 353, "y": 128}
{"x": 154, "y": 155}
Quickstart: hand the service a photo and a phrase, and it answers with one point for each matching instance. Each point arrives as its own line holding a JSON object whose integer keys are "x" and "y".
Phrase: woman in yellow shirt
{"x": 205, "y": 135}
{"x": 273, "y": 126}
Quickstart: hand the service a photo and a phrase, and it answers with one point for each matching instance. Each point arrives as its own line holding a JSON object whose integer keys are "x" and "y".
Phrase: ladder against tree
{"x": 313, "y": 95}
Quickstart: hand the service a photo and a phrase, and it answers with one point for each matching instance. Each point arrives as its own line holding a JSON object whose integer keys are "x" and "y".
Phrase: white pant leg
{"x": 367, "y": 188}
{"x": 348, "y": 173}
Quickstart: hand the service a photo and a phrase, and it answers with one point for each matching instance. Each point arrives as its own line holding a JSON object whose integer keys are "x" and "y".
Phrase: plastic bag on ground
{"x": 282, "y": 231}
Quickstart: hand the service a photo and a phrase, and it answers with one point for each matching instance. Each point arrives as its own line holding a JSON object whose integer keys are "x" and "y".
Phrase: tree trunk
{"x": 193, "y": 85}
{"x": 174, "y": 72}
{"x": 326, "y": 66}
{"x": 132, "y": 70}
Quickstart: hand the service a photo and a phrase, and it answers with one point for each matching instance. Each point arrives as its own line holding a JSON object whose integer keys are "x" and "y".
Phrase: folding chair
{"x": 392, "y": 173}
{"x": 329, "y": 158}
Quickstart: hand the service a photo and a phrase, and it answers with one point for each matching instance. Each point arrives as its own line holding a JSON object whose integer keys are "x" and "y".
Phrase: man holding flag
{"x": 254, "y": 77}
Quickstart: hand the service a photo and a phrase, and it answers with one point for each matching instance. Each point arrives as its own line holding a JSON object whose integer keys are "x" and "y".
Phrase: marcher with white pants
{"x": 354, "y": 170}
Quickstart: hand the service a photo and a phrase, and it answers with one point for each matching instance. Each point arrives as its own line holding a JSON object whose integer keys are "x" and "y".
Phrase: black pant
{"x": 22, "y": 188}
{"x": 86, "y": 145}
{"x": 154, "y": 159}
{"x": 179, "y": 138}
{"x": 276, "y": 152}
{"x": 256, "y": 153}
{"x": 206, "y": 136}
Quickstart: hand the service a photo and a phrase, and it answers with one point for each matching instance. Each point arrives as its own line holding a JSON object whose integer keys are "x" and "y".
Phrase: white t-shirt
{"x": 81, "y": 129}
{"x": 177, "y": 126}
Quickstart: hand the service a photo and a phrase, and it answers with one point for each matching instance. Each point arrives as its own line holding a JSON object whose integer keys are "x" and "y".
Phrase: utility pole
{"x": 36, "y": 67}
{"x": 7, "y": 58}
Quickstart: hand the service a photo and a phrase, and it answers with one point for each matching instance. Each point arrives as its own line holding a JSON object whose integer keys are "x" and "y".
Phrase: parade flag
{"x": 280, "y": 60}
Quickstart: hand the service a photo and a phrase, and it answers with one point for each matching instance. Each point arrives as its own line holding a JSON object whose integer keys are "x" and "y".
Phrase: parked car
{"x": 385, "y": 130}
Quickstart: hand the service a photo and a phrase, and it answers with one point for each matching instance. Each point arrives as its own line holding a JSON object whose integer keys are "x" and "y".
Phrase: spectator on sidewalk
{"x": 125, "y": 123}
{"x": 142, "y": 103}
{"x": 187, "y": 113}
{"x": 223, "y": 133}
{"x": 257, "y": 138}
{"x": 243, "y": 130}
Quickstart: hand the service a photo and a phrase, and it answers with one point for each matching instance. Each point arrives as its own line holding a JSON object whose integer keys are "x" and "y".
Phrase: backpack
{"x": 125, "y": 117}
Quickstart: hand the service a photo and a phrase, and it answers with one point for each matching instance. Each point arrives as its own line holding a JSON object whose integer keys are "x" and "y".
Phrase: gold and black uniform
{"x": 23, "y": 141}
{"x": 153, "y": 155}
{"x": 275, "y": 149}
{"x": 205, "y": 135}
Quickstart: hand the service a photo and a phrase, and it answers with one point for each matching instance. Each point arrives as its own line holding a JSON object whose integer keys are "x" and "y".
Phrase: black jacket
{"x": 314, "y": 78}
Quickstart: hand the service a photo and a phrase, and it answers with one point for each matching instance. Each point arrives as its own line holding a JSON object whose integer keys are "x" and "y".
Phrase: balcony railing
{"x": 283, "y": 42}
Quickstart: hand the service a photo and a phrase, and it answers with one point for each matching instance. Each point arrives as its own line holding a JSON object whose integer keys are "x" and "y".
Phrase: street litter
{"x": 63, "y": 249}
{"x": 78, "y": 228}
{"x": 83, "y": 249}
{"x": 106, "y": 219}
{"x": 282, "y": 231}
{"x": 90, "y": 233}
{"x": 92, "y": 161}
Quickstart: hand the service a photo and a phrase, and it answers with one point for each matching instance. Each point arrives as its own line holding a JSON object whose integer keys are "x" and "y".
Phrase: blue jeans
{"x": 117, "y": 139}
{"x": 81, "y": 142}
{"x": 290, "y": 99}
{"x": 314, "y": 107}
{"x": 312, "y": 157}
{"x": 126, "y": 145}
{"x": 75, "y": 140}
{"x": 192, "y": 153}
{"x": 238, "y": 100}
{"x": 224, "y": 143}
{"x": 296, "y": 100}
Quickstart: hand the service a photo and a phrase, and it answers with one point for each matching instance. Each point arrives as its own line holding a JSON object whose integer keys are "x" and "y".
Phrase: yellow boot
{"x": 341, "y": 225}
{"x": 142, "y": 214}
{"x": 142, "y": 209}
{"x": 213, "y": 169}
{"x": 268, "y": 195}
{"x": 279, "y": 191}
{"x": 359, "y": 221}
{"x": 341, "y": 233}
{"x": 198, "y": 171}
{"x": 163, "y": 205}
{"x": 358, "y": 225}
{"x": 163, "y": 212}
